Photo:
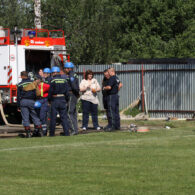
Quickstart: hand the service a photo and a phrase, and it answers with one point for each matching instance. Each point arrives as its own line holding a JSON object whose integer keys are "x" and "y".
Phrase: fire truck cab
{"x": 30, "y": 50}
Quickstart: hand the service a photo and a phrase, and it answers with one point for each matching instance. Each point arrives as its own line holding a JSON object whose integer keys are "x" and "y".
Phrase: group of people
{"x": 55, "y": 91}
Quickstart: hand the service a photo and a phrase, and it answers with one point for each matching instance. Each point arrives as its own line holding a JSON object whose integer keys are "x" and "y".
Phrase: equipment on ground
{"x": 142, "y": 129}
{"x": 3, "y": 115}
{"x": 133, "y": 128}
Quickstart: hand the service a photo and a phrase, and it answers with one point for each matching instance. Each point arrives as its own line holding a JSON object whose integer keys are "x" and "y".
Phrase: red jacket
{"x": 44, "y": 89}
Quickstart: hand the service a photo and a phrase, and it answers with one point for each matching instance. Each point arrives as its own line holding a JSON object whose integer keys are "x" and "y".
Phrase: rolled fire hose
{"x": 5, "y": 120}
{"x": 3, "y": 115}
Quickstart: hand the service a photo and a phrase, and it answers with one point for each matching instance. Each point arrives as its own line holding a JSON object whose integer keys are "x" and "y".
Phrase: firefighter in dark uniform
{"x": 73, "y": 82}
{"x": 47, "y": 75}
{"x": 25, "y": 103}
{"x": 43, "y": 99}
{"x": 47, "y": 80}
{"x": 105, "y": 92}
{"x": 112, "y": 88}
{"x": 58, "y": 96}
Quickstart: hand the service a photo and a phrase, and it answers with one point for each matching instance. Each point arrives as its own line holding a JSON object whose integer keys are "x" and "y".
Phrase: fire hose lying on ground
{"x": 3, "y": 115}
{"x": 31, "y": 86}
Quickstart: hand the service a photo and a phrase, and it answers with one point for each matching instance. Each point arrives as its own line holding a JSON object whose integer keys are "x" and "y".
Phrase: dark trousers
{"x": 58, "y": 105}
{"x": 105, "y": 101}
{"x": 72, "y": 113}
{"x": 113, "y": 111}
{"x": 42, "y": 112}
{"x": 88, "y": 108}
{"x": 27, "y": 110}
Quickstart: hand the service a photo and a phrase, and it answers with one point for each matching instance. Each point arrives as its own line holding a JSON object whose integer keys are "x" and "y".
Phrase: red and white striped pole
{"x": 9, "y": 75}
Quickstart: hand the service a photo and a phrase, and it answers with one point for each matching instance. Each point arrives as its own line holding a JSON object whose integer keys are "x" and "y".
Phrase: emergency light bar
{"x": 31, "y": 34}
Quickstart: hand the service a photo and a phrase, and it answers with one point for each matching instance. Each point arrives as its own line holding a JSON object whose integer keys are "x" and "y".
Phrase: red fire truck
{"x": 30, "y": 50}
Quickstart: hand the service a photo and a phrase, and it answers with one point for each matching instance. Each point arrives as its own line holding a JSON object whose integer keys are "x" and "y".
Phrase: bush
{"x": 133, "y": 112}
{"x": 170, "y": 124}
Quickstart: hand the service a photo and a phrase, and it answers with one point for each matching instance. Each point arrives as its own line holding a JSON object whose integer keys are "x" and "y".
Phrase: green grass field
{"x": 158, "y": 162}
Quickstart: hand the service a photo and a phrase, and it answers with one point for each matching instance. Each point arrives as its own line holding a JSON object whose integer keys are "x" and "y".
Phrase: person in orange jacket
{"x": 43, "y": 99}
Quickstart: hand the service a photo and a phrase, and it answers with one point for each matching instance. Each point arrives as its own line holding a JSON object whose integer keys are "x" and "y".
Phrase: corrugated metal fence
{"x": 170, "y": 88}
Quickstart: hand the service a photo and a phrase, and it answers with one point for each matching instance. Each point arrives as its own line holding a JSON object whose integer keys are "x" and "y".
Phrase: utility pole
{"x": 37, "y": 8}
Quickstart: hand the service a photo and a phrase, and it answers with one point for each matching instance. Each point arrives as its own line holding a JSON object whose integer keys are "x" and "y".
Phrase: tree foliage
{"x": 108, "y": 31}
{"x": 16, "y": 12}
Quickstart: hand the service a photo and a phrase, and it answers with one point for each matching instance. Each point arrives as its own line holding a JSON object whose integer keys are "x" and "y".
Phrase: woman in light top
{"x": 89, "y": 88}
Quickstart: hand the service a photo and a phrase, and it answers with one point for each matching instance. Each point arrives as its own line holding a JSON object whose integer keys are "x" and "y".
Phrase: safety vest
{"x": 44, "y": 89}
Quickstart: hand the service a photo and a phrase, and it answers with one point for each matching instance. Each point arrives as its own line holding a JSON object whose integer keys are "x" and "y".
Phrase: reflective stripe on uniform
{"x": 22, "y": 84}
{"x": 58, "y": 80}
{"x": 41, "y": 89}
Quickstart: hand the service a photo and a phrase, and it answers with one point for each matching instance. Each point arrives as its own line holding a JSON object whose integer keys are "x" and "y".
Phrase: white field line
{"x": 108, "y": 142}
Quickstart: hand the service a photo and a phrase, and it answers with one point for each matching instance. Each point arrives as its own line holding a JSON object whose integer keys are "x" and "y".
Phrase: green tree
{"x": 155, "y": 28}
{"x": 108, "y": 31}
{"x": 16, "y": 12}
{"x": 87, "y": 25}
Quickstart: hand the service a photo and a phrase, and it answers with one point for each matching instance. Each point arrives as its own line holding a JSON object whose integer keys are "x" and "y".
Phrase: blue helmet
{"x": 37, "y": 104}
{"x": 68, "y": 65}
{"x": 47, "y": 70}
{"x": 55, "y": 69}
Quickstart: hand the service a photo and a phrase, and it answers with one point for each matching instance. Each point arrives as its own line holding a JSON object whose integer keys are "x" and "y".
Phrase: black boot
{"x": 28, "y": 132}
{"x": 40, "y": 131}
{"x": 44, "y": 128}
{"x": 35, "y": 132}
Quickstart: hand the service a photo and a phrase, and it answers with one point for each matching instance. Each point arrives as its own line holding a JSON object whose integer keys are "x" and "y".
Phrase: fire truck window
{"x": 42, "y": 34}
{"x": 36, "y": 60}
{"x": 55, "y": 34}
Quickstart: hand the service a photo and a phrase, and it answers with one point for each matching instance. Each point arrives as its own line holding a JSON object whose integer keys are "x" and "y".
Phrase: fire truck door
{"x": 4, "y": 65}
